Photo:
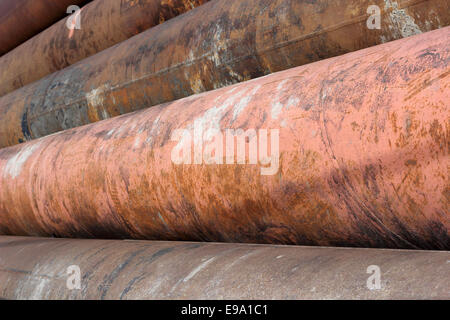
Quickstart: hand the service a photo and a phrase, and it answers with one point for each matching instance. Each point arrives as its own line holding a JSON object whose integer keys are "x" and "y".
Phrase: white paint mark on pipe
{"x": 198, "y": 269}
{"x": 14, "y": 165}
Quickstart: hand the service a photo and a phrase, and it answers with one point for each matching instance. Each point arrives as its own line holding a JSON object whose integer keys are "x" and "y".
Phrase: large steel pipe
{"x": 103, "y": 23}
{"x": 22, "y": 19}
{"x": 351, "y": 151}
{"x": 39, "y": 268}
{"x": 217, "y": 44}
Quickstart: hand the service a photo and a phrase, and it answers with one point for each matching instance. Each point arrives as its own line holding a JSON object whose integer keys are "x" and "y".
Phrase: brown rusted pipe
{"x": 217, "y": 44}
{"x": 22, "y": 19}
{"x": 360, "y": 159}
{"x": 103, "y": 24}
{"x": 40, "y": 268}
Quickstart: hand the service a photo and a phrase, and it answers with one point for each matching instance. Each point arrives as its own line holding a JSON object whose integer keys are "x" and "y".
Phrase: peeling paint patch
{"x": 105, "y": 114}
{"x": 293, "y": 101}
{"x": 280, "y": 102}
{"x": 276, "y": 109}
{"x": 277, "y": 106}
{"x": 39, "y": 290}
{"x": 243, "y": 103}
{"x": 14, "y": 165}
{"x": 95, "y": 97}
{"x": 210, "y": 121}
{"x": 155, "y": 130}
{"x": 406, "y": 24}
{"x": 197, "y": 86}
{"x": 137, "y": 142}
{"x": 219, "y": 45}
{"x": 40, "y": 283}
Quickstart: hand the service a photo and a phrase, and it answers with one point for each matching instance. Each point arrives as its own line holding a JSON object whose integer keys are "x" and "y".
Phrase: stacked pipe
{"x": 159, "y": 138}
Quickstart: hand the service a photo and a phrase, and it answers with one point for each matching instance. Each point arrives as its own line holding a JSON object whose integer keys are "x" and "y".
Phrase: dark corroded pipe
{"x": 103, "y": 24}
{"x": 22, "y": 19}
{"x": 40, "y": 268}
{"x": 217, "y": 44}
{"x": 358, "y": 155}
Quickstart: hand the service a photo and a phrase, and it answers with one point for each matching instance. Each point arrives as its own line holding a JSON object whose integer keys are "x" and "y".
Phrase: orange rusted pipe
{"x": 22, "y": 19}
{"x": 103, "y": 23}
{"x": 217, "y": 44}
{"x": 39, "y": 268}
{"x": 354, "y": 153}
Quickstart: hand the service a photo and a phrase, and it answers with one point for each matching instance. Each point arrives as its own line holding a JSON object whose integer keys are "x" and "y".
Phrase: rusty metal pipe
{"x": 362, "y": 160}
{"x": 217, "y": 44}
{"x": 103, "y": 24}
{"x": 39, "y": 268}
{"x": 23, "y": 19}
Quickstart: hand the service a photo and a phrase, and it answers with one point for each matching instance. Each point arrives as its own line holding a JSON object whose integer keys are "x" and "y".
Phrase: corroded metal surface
{"x": 103, "y": 24}
{"x": 22, "y": 19}
{"x": 217, "y": 44}
{"x": 37, "y": 268}
{"x": 363, "y": 161}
